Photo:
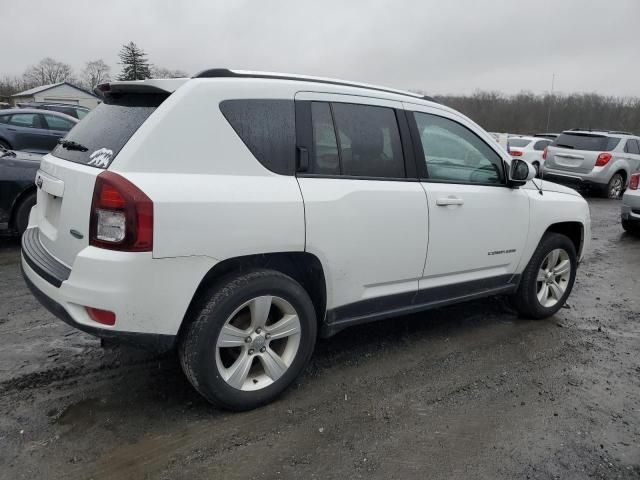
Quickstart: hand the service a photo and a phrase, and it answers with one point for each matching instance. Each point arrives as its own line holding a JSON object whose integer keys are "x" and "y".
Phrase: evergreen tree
{"x": 135, "y": 65}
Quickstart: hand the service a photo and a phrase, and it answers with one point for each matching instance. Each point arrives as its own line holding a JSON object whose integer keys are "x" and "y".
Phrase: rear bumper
{"x": 148, "y": 296}
{"x": 574, "y": 181}
{"x": 147, "y": 341}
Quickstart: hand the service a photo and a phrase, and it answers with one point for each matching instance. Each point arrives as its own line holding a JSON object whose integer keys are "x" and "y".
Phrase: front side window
{"x": 58, "y": 123}
{"x": 369, "y": 141}
{"x": 452, "y": 153}
{"x": 29, "y": 120}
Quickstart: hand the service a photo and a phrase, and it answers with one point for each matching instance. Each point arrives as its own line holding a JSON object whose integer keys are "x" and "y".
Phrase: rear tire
{"x": 21, "y": 218}
{"x": 615, "y": 187}
{"x": 548, "y": 279}
{"x": 232, "y": 346}
{"x": 631, "y": 227}
{"x": 5, "y": 145}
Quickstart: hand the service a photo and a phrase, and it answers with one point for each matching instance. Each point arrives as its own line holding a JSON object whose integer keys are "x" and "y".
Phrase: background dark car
{"x": 33, "y": 130}
{"x": 74, "y": 111}
{"x": 17, "y": 188}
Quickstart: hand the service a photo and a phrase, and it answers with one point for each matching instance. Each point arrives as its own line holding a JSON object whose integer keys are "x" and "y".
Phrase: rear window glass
{"x": 583, "y": 141}
{"x": 267, "y": 128}
{"x": 518, "y": 142}
{"x": 108, "y": 127}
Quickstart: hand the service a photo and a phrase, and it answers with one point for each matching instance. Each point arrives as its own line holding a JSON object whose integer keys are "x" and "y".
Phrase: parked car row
{"x": 33, "y": 130}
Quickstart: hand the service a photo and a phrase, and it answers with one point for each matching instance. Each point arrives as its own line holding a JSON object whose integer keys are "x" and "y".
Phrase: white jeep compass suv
{"x": 239, "y": 215}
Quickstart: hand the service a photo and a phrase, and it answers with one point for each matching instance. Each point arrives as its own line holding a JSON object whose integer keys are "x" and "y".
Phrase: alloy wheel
{"x": 615, "y": 189}
{"x": 553, "y": 277}
{"x": 258, "y": 343}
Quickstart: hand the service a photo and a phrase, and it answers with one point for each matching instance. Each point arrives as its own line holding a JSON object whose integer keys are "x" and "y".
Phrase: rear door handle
{"x": 445, "y": 201}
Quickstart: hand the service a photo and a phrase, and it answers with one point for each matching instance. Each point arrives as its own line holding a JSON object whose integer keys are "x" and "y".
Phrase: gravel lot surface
{"x": 469, "y": 391}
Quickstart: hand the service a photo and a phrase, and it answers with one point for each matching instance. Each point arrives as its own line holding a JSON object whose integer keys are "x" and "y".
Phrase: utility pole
{"x": 553, "y": 79}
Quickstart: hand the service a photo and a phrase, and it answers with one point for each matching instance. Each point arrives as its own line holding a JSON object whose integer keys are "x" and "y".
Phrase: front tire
{"x": 548, "y": 279}
{"x": 252, "y": 337}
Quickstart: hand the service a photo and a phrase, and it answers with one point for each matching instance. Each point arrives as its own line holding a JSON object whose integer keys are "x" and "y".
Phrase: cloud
{"x": 432, "y": 45}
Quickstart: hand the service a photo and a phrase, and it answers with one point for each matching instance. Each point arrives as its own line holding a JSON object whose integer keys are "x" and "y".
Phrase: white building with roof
{"x": 62, "y": 92}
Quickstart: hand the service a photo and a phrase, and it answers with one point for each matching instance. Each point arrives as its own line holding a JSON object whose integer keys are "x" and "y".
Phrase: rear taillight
{"x": 634, "y": 181}
{"x": 104, "y": 317}
{"x": 121, "y": 215}
{"x": 544, "y": 154}
{"x": 515, "y": 153}
{"x": 603, "y": 159}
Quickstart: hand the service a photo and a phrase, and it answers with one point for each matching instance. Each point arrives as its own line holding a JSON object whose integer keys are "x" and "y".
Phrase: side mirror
{"x": 521, "y": 172}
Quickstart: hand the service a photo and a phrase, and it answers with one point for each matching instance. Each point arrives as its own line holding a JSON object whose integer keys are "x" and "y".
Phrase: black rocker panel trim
{"x": 374, "y": 309}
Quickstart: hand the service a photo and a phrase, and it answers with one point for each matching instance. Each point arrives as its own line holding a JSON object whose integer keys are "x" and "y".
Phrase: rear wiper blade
{"x": 562, "y": 145}
{"x": 71, "y": 145}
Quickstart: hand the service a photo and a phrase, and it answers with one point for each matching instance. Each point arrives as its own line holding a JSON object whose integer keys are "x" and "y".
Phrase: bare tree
{"x": 46, "y": 71}
{"x": 161, "y": 72}
{"x": 526, "y": 112}
{"x": 94, "y": 73}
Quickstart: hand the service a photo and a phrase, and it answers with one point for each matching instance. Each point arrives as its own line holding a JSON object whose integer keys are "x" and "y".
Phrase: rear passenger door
{"x": 29, "y": 132}
{"x": 478, "y": 225}
{"x": 366, "y": 214}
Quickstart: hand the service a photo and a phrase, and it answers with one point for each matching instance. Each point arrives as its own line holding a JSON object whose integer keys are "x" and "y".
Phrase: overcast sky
{"x": 437, "y": 46}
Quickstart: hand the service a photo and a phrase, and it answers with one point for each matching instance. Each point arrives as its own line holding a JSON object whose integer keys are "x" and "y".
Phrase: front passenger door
{"x": 58, "y": 128}
{"x": 29, "y": 132}
{"x": 477, "y": 224}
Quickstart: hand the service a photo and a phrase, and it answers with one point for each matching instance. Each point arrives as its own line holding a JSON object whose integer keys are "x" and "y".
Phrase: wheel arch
{"x": 303, "y": 267}
{"x": 18, "y": 201}
{"x": 573, "y": 230}
{"x": 4, "y": 140}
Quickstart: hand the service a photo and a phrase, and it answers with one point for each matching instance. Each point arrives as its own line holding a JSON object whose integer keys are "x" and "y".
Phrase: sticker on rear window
{"x": 100, "y": 158}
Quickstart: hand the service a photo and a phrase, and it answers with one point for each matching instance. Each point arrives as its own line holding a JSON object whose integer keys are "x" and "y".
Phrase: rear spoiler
{"x": 168, "y": 85}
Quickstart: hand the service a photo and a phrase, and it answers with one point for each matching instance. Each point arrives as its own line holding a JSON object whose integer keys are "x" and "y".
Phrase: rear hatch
{"x": 67, "y": 175}
{"x": 577, "y": 152}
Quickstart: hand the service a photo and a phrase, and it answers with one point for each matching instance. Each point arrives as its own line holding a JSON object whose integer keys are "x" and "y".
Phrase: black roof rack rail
{"x": 604, "y": 130}
{"x": 227, "y": 73}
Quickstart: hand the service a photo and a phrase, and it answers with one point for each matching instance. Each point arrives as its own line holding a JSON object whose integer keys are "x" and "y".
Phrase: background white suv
{"x": 237, "y": 215}
{"x": 529, "y": 149}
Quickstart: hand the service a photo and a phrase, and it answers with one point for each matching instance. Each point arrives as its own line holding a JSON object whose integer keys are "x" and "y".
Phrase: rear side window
{"x": 326, "y": 160}
{"x": 29, "y": 120}
{"x": 369, "y": 141}
{"x": 109, "y": 126}
{"x": 585, "y": 141}
{"x": 632, "y": 146}
{"x": 267, "y": 128}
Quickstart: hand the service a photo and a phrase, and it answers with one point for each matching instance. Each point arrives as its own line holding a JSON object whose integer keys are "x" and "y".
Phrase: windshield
{"x": 585, "y": 141}
{"x": 98, "y": 138}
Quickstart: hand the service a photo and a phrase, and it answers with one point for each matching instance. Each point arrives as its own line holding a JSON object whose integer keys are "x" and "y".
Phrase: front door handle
{"x": 445, "y": 201}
